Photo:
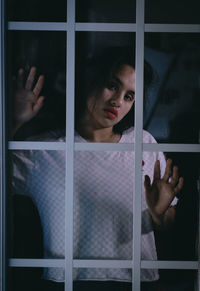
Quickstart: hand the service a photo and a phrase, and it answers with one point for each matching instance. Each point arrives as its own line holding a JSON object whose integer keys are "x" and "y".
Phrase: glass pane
{"x": 35, "y": 10}
{"x": 171, "y": 280}
{"x": 38, "y": 199}
{"x": 90, "y": 44}
{"x": 32, "y": 279}
{"x": 103, "y": 205}
{"x": 98, "y": 279}
{"x": 105, "y": 11}
{"x": 179, "y": 11}
{"x": 46, "y": 51}
{"x": 172, "y": 107}
{"x": 175, "y": 237}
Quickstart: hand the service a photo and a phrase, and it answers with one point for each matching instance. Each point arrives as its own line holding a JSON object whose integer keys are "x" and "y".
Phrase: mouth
{"x": 111, "y": 112}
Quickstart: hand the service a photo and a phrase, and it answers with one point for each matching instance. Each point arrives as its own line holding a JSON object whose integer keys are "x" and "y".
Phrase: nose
{"x": 117, "y": 99}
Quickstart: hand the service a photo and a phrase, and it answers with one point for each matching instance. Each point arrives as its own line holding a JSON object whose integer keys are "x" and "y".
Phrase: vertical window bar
{"x": 138, "y": 145}
{"x": 2, "y": 154}
{"x": 69, "y": 145}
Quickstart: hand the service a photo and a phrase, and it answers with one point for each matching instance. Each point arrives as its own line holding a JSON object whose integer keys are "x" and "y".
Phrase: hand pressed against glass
{"x": 27, "y": 99}
{"x": 161, "y": 192}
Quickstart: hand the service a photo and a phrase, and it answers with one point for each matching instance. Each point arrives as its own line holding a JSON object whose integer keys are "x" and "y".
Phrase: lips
{"x": 111, "y": 112}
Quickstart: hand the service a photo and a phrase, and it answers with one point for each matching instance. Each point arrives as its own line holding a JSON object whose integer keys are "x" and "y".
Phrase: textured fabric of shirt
{"x": 103, "y": 204}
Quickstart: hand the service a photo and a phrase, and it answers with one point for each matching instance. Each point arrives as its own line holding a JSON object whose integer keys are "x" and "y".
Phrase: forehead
{"x": 126, "y": 75}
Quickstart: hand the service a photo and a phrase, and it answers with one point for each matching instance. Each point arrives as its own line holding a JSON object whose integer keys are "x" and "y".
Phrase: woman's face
{"x": 106, "y": 107}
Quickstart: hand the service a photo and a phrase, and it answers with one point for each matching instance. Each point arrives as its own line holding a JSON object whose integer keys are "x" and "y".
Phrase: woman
{"x": 103, "y": 180}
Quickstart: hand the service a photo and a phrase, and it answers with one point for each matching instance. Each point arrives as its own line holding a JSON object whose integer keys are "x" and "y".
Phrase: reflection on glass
{"x": 177, "y": 238}
{"x": 172, "y": 107}
{"x": 45, "y": 51}
{"x": 105, "y": 11}
{"x": 35, "y": 10}
{"x": 181, "y": 11}
{"x": 38, "y": 193}
{"x": 31, "y": 279}
{"x": 172, "y": 280}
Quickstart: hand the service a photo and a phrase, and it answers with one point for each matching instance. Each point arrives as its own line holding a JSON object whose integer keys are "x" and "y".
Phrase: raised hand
{"x": 161, "y": 192}
{"x": 27, "y": 100}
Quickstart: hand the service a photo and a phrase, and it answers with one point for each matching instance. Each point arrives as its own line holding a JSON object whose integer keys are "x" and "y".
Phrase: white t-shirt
{"x": 103, "y": 204}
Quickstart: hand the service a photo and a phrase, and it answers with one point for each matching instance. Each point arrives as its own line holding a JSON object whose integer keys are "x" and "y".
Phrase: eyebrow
{"x": 117, "y": 80}
{"x": 120, "y": 82}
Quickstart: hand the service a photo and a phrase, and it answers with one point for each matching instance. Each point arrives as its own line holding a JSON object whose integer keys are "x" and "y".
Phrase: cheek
{"x": 97, "y": 102}
{"x": 91, "y": 103}
{"x": 129, "y": 107}
{"x": 106, "y": 94}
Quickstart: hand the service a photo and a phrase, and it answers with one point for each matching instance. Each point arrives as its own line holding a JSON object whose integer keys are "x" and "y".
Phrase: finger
{"x": 167, "y": 173}
{"x": 147, "y": 183}
{"x": 156, "y": 174}
{"x": 179, "y": 186}
{"x": 38, "y": 86}
{"x": 174, "y": 179}
{"x": 38, "y": 105}
{"x": 20, "y": 78}
{"x": 30, "y": 79}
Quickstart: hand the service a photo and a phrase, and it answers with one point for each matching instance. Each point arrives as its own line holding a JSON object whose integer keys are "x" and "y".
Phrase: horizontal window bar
{"x": 154, "y": 147}
{"x": 151, "y": 147}
{"x": 182, "y": 265}
{"x": 36, "y": 145}
{"x": 185, "y": 28}
{"x": 49, "y": 26}
{"x": 120, "y": 264}
{"x": 109, "y": 27}
{"x": 31, "y": 145}
{"x": 76, "y": 263}
{"x": 60, "y": 263}
{"x": 119, "y": 27}
{"x": 89, "y": 146}
{"x": 126, "y": 264}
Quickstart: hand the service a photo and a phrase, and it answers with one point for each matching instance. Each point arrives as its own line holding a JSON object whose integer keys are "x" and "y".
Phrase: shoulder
{"x": 148, "y": 138}
{"x": 51, "y": 135}
{"x": 27, "y": 157}
{"x": 128, "y": 136}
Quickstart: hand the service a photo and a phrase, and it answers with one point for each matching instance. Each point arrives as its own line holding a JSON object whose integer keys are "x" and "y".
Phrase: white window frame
{"x": 71, "y": 27}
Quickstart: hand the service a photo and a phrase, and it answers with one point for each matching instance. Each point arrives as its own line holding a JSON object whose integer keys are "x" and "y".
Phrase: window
{"x": 55, "y": 38}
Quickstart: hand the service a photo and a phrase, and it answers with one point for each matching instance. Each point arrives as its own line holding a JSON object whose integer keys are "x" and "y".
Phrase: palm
{"x": 23, "y": 103}
{"x": 162, "y": 191}
{"x": 27, "y": 101}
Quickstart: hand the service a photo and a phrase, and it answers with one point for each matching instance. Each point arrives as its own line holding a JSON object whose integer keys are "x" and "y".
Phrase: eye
{"x": 112, "y": 85}
{"x": 129, "y": 97}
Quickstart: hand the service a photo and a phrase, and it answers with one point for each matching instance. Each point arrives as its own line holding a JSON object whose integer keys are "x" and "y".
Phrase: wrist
{"x": 15, "y": 127}
{"x": 164, "y": 220}
{"x": 157, "y": 219}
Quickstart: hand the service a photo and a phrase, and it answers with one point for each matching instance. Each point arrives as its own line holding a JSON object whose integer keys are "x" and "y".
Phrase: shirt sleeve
{"x": 21, "y": 166}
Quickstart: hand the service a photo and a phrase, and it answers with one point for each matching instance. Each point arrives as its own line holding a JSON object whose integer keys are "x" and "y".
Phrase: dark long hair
{"x": 94, "y": 73}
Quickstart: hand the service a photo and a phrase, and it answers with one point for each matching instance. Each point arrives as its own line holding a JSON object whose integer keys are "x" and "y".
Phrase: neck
{"x": 97, "y": 135}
